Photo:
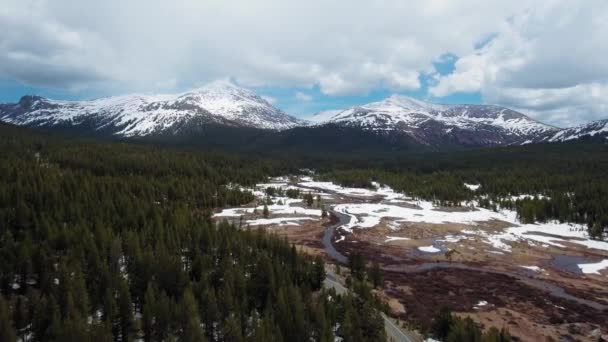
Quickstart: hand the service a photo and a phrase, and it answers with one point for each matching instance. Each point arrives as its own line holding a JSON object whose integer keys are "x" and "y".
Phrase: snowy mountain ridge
{"x": 219, "y": 102}
{"x": 591, "y": 129}
{"x": 222, "y": 103}
{"x": 415, "y": 117}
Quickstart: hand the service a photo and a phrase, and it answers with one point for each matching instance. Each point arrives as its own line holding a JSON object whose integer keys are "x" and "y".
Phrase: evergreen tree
{"x": 190, "y": 322}
{"x": 375, "y": 274}
{"x": 232, "y": 330}
{"x": 442, "y": 324}
{"x": 265, "y": 211}
{"x": 356, "y": 263}
{"x": 7, "y": 333}
{"x": 125, "y": 312}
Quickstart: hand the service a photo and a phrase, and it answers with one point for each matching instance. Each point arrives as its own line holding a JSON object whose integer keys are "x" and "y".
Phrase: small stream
{"x": 529, "y": 280}
{"x": 328, "y": 235}
{"x": 569, "y": 263}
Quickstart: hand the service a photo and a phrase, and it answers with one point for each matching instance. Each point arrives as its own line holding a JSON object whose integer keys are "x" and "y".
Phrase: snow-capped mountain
{"x": 224, "y": 108}
{"x": 592, "y": 129}
{"x": 220, "y": 102}
{"x": 435, "y": 124}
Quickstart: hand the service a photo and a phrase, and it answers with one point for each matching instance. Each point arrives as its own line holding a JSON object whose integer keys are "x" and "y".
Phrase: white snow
{"x": 472, "y": 187}
{"x": 399, "y": 110}
{"x": 588, "y": 129}
{"x": 274, "y": 209}
{"x": 143, "y": 114}
{"x": 481, "y": 304}
{"x": 330, "y": 186}
{"x": 367, "y": 215}
{"x": 594, "y": 268}
{"x": 532, "y": 268}
{"x": 395, "y": 238}
{"x": 288, "y": 221}
{"x": 429, "y": 249}
{"x": 528, "y": 196}
{"x": 396, "y": 209}
{"x": 281, "y": 206}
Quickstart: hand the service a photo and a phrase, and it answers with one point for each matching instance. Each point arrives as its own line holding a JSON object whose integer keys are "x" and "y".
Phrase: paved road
{"x": 393, "y": 332}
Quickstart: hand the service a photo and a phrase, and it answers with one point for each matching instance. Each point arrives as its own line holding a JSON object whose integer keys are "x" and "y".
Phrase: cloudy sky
{"x": 548, "y": 58}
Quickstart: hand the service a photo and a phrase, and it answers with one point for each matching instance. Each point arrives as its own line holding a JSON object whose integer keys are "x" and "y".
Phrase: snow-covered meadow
{"x": 384, "y": 205}
{"x": 290, "y": 211}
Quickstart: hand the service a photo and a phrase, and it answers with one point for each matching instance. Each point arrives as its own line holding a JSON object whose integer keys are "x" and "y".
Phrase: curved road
{"x": 393, "y": 332}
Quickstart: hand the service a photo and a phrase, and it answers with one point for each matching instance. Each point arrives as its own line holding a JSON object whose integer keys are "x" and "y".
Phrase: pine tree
{"x": 21, "y": 316}
{"x": 356, "y": 263}
{"x": 231, "y": 331}
{"x": 210, "y": 313}
{"x": 442, "y": 324}
{"x": 375, "y": 274}
{"x": 125, "y": 311}
{"x": 265, "y": 212}
{"x": 149, "y": 313}
{"x": 189, "y": 319}
{"x": 110, "y": 312}
{"x": 7, "y": 333}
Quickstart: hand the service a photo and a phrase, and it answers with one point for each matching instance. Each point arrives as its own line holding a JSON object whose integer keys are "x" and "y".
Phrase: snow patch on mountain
{"x": 139, "y": 115}
{"x": 405, "y": 113}
{"x": 592, "y": 129}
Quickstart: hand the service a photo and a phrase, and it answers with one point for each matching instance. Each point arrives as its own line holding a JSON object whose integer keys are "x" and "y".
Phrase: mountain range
{"x": 396, "y": 120}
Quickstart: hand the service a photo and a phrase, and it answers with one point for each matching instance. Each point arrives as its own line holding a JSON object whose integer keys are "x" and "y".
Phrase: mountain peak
{"x": 429, "y": 122}
{"x": 222, "y": 83}
{"x": 408, "y": 103}
{"x": 221, "y": 102}
{"x": 597, "y": 128}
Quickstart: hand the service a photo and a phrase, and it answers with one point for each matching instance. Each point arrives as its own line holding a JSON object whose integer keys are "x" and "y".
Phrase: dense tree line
{"x": 114, "y": 242}
{"x": 566, "y": 182}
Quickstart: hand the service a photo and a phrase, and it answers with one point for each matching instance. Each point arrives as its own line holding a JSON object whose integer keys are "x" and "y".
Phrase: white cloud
{"x": 303, "y": 96}
{"x": 344, "y": 47}
{"x": 467, "y": 77}
{"x": 549, "y": 61}
{"x": 563, "y": 107}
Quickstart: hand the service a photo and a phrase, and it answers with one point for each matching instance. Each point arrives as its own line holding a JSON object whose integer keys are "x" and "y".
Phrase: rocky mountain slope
{"x": 435, "y": 124}
{"x": 220, "y": 102}
{"x": 222, "y": 112}
{"x": 595, "y": 129}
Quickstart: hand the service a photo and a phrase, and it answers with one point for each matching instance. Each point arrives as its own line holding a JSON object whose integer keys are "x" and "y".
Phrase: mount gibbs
{"x": 113, "y": 242}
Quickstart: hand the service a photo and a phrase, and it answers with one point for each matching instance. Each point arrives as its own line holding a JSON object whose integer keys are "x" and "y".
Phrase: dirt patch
{"x": 462, "y": 290}
{"x": 522, "y": 326}
{"x": 307, "y": 235}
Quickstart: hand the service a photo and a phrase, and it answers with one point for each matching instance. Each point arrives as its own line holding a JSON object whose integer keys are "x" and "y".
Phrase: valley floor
{"x": 537, "y": 280}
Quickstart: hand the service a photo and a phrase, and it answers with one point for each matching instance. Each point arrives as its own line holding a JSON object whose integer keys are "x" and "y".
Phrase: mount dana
{"x": 219, "y": 103}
